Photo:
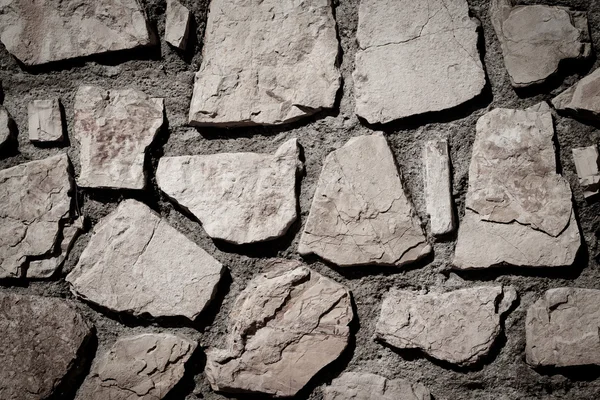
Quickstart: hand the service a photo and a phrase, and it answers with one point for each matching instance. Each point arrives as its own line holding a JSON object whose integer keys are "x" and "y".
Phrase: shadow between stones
{"x": 186, "y": 385}
{"x": 585, "y": 373}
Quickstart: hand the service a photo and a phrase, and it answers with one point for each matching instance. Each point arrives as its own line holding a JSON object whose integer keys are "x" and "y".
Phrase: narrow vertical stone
{"x": 438, "y": 190}
{"x": 586, "y": 163}
{"x": 45, "y": 121}
{"x": 177, "y": 24}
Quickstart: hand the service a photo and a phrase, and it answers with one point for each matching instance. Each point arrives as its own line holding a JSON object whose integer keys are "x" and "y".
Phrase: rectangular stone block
{"x": 438, "y": 189}
{"x": 586, "y": 163}
{"x": 45, "y": 121}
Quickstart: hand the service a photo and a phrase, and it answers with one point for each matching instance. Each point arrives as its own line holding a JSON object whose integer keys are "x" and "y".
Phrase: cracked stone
{"x": 366, "y": 386}
{"x": 562, "y": 328}
{"x": 516, "y": 195}
{"x": 415, "y": 57}
{"x": 152, "y": 269}
{"x": 587, "y": 164}
{"x": 581, "y": 99}
{"x": 266, "y": 62}
{"x": 42, "y": 341}
{"x": 114, "y": 129}
{"x": 145, "y": 366}
{"x": 177, "y": 25}
{"x": 360, "y": 214}
{"x": 458, "y": 327}
{"x": 45, "y": 121}
{"x": 52, "y": 30}
{"x": 6, "y": 127}
{"x": 35, "y": 202}
{"x": 286, "y": 325}
{"x": 238, "y": 197}
{"x": 535, "y": 39}
{"x": 438, "y": 189}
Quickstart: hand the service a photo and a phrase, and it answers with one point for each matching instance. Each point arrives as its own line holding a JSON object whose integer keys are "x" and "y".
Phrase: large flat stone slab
{"x": 285, "y": 326}
{"x": 360, "y": 214}
{"x": 239, "y": 197}
{"x": 563, "y": 328}
{"x": 581, "y": 99}
{"x": 41, "y": 342}
{"x": 415, "y": 57}
{"x": 151, "y": 268}
{"x": 366, "y": 386}
{"x": 265, "y": 62}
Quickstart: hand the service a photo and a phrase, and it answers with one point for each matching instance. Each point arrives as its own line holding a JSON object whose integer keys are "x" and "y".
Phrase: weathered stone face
{"x": 45, "y": 121}
{"x": 287, "y": 325}
{"x": 41, "y": 339}
{"x": 562, "y": 328}
{"x": 536, "y": 38}
{"x": 177, "y": 25}
{"x": 438, "y": 188}
{"x": 34, "y": 202}
{"x": 114, "y": 128}
{"x": 145, "y": 366}
{"x": 415, "y": 57}
{"x": 365, "y": 386}
{"x": 151, "y": 267}
{"x": 238, "y": 197}
{"x": 6, "y": 129}
{"x": 587, "y": 163}
{"x": 581, "y": 99}
{"x": 265, "y": 62}
{"x": 360, "y": 214}
{"x": 459, "y": 327}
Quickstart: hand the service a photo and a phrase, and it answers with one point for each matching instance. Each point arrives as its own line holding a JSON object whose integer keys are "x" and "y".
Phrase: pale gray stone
{"x": 34, "y": 203}
{"x": 238, "y": 197}
{"x": 177, "y": 25}
{"x": 145, "y": 366}
{"x": 415, "y": 57}
{"x": 438, "y": 189}
{"x": 266, "y": 62}
{"x": 360, "y": 214}
{"x": 114, "y": 129}
{"x": 587, "y": 164}
{"x": 41, "y": 342}
{"x": 6, "y": 127}
{"x": 517, "y": 208}
{"x": 51, "y": 30}
{"x": 285, "y": 326}
{"x": 563, "y": 328}
{"x": 542, "y": 106}
{"x": 151, "y": 268}
{"x": 366, "y": 386}
{"x": 459, "y": 327}
{"x": 45, "y": 121}
{"x": 581, "y": 99}
{"x": 536, "y": 38}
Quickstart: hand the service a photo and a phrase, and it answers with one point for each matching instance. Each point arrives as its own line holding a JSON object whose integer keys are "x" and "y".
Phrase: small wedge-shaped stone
{"x": 287, "y": 325}
{"x": 45, "y": 121}
{"x": 51, "y": 30}
{"x": 581, "y": 99}
{"x": 114, "y": 129}
{"x": 536, "y": 38}
{"x": 366, "y": 386}
{"x": 438, "y": 189}
{"x": 41, "y": 341}
{"x": 415, "y": 57}
{"x": 177, "y": 25}
{"x": 360, "y": 214}
{"x": 34, "y": 203}
{"x": 517, "y": 208}
{"x": 137, "y": 263}
{"x": 459, "y": 327}
{"x": 563, "y": 328}
{"x": 145, "y": 366}
{"x": 266, "y": 62}
{"x": 6, "y": 127}
{"x": 587, "y": 163}
{"x": 238, "y": 197}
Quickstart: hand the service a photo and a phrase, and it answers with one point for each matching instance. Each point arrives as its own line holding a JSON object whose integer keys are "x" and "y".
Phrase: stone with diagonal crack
{"x": 145, "y": 366}
{"x": 360, "y": 214}
{"x": 366, "y": 386}
{"x": 45, "y": 121}
{"x": 177, "y": 25}
{"x": 238, "y": 197}
{"x": 6, "y": 127}
{"x": 266, "y": 62}
{"x": 149, "y": 269}
{"x": 288, "y": 324}
{"x": 415, "y": 57}
{"x": 458, "y": 327}
{"x": 581, "y": 99}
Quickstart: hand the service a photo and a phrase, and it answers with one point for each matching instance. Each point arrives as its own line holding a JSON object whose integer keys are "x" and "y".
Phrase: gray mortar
{"x": 169, "y": 74}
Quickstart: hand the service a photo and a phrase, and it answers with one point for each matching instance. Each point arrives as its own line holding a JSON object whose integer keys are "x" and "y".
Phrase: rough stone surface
{"x": 587, "y": 163}
{"x": 41, "y": 341}
{"x": 459, "y": 327}
{"x": 34, "y": 203}
{"x": 266, "y": 62}
{"x": 151, "y": 269}
{"x": 114, "y": 128}
{"x": 536, "y": 38}
{"x": 415, "y": 57}
{"x": 581, "y": 99}
{"x": 177, "y": 26}
{"x": 438, "y": 187}
{"x": 515, "y": 195}
{"x": 145, "y": 366}
{"x": 284, "y": 327}
{"x": 366, "y": 386}
{"x": 6, "y": 127}
{"x": 238, "y": 197}
{"x": 45, "y": 121}
{"x": 563, "y": 328}
{"x": 52, "y": 30}
{"x": 360, "y": 214}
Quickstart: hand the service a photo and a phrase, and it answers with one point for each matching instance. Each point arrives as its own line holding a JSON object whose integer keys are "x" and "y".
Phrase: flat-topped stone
{"x": 587, "y": 164}
{"x": 45, "y": 121}
{"x": 366, "y": 386}
{"x": 438, "y": 187}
